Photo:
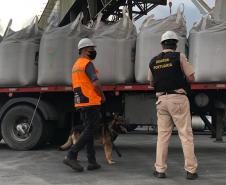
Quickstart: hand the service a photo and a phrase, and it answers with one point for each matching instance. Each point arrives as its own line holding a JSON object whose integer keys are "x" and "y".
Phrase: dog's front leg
{"x": 75, "y": 137}
{"x": 106, "y": 142}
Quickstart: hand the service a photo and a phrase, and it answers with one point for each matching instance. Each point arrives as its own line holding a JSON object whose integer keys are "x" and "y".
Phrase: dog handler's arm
{"x": 90, "y": 71}
{"x": 99, "y": 90}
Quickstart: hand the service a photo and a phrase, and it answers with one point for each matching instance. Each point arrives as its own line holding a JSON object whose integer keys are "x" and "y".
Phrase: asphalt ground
{"x": 135, "y": 167}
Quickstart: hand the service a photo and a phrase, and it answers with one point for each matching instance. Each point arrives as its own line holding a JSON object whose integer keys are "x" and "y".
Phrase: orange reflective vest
{"x": 84, "y": 92}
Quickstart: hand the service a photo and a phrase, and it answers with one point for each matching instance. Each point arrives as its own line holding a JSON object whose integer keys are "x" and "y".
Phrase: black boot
{"x": 159, "y": 175}
{"x": 191, "y": 176}
{"x": 93, "y": 166}
{"x": 74, "y": 164}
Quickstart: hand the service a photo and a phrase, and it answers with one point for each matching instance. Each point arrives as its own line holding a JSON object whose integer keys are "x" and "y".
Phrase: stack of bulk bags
{"x": 207, "y": 50}
{"x": 58, "y": 51}
{"x": 148, "y": 40}
{"x": 19, "y": 55}
{"x": 115, "y": 50}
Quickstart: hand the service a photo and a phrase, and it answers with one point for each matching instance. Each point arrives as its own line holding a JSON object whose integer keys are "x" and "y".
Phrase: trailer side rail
{"x": 136, "y": 87}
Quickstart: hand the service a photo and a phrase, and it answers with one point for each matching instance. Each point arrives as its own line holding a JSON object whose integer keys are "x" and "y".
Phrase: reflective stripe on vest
{"x": 84, "y": 93}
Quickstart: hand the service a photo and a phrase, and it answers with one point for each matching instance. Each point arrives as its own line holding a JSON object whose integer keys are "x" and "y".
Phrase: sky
{"x": 23, "y": 11}
{"x": 191, "y": 12}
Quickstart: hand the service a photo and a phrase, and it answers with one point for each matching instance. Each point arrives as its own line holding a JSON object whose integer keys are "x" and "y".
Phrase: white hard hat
{"x": 85, "y": 43}
{"x": 169, "y": 35}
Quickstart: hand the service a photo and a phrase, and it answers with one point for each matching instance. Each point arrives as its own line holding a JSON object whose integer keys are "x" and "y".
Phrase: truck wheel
{"x": 15, "y": 128}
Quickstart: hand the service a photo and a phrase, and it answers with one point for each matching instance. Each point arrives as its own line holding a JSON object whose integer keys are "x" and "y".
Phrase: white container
{"x": 148, "y": 41}
{"x": 58, "y": 52}
{"x": 207, "y": 50}
{"x": 19, "y": 55}
{"x": 115, "y": 51}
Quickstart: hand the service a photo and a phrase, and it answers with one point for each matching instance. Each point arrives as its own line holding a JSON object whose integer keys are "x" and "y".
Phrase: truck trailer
{"x": 31, "y": 116}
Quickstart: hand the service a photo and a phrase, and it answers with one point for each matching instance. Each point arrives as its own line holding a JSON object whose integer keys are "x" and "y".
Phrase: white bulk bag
{"x": 115, "y": 50}
{"x": 19, "y": 56}
{"x": 58, "y": 52}
{"x": 148, "y": 41}
{"x": 207, "y": 50}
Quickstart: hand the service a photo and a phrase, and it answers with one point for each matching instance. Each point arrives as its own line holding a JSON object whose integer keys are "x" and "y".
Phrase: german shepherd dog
{"x": 107, "y": 131}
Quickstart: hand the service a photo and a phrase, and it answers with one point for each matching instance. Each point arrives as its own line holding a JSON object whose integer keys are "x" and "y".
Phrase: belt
{"x": 171, "y": 92}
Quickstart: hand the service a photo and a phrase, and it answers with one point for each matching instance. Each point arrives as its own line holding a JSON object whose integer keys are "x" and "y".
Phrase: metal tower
{"x": 111, "y": 9}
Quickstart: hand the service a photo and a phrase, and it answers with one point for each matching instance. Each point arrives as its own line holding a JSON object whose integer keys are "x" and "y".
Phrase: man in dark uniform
{"x": 169, "y": 74}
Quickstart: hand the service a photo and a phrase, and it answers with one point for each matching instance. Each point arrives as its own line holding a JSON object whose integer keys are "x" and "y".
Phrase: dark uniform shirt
{"x": 186, "y": 67}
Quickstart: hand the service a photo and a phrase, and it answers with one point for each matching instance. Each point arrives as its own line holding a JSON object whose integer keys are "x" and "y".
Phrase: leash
{"x": 116, "y": 149}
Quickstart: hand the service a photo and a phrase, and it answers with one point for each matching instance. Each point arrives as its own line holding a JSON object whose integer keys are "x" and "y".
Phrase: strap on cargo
{"x": 147, "y": 21}
{"x": 99, "y": 17}
{"x": 205, "y": 18}
{"x": 34, "y": 23}
{"x": 8, "y": 27}
{"x": 125, "y": 16}
{"x": 180, "y": 13}
{"x": 77, "y": 21}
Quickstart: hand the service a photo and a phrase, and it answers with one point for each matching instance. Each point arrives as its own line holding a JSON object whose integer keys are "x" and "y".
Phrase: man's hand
{"x": 103, "y": 99}
{"x": 191, "y": 78}
{"x": 99, "y": 91}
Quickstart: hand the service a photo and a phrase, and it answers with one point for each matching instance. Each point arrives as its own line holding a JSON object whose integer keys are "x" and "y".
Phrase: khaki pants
{"x": 174, "y": 109}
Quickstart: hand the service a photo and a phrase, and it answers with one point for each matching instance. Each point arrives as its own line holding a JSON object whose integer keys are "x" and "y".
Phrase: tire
{"x": 21, "y": 115}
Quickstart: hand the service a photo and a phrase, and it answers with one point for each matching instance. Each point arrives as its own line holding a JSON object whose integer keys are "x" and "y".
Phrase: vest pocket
{"x": 79, "y": 97}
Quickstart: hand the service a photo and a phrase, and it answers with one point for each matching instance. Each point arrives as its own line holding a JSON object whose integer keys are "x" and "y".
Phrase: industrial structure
{"x": 111, "y": 9}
